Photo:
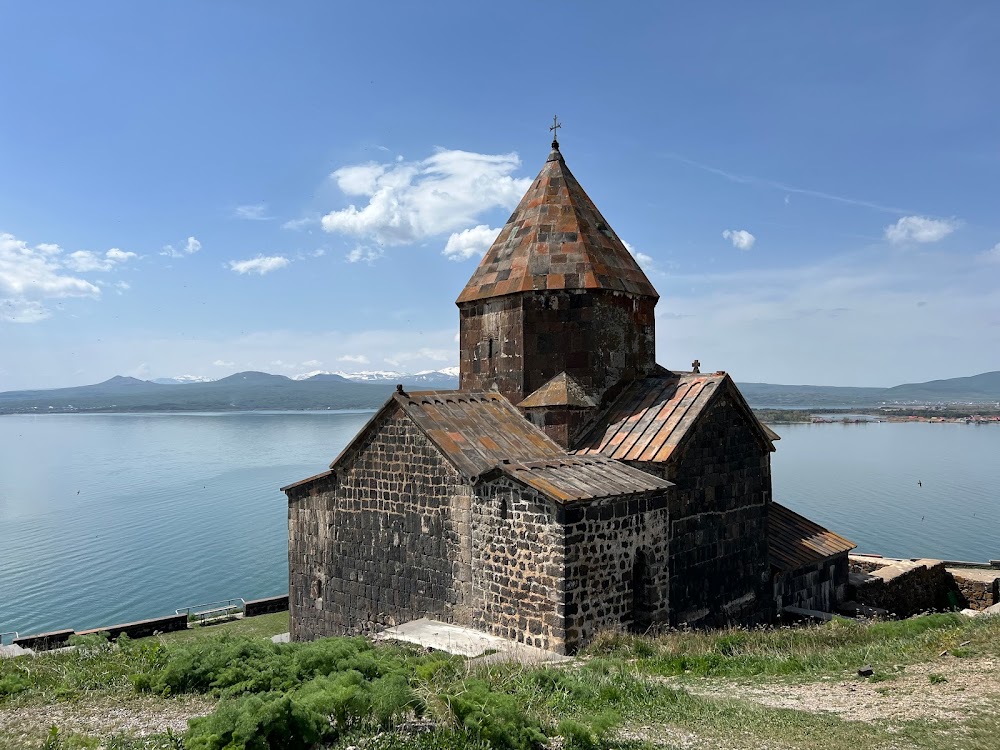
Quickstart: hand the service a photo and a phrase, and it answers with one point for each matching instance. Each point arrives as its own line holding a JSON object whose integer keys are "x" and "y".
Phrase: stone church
{"x": 571, "y": 484}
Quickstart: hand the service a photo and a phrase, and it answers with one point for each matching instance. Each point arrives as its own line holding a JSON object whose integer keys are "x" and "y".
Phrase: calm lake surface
{"x": 116, "y": 517}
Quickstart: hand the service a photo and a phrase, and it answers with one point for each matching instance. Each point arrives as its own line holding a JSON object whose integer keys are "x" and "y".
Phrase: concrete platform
{"x": 9, "y": 652}
{"x": 467, "y": 642}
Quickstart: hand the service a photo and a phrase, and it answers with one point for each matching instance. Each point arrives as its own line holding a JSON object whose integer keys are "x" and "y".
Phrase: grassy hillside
{"x": 935, "y": 685}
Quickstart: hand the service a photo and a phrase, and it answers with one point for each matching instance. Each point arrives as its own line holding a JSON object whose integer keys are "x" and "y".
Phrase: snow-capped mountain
{"x": 441, "y": 379}
{"x": 182, "y": 380}
{"x": 373, "y": 376}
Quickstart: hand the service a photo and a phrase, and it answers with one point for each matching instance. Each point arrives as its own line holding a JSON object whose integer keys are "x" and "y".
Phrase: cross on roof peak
{"x": 555, "y": 131}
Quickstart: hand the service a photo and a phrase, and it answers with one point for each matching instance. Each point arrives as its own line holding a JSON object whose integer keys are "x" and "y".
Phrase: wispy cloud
{"x": 223, "y": 363}
{"x": 357, "y": 359}
{"x": 992, "y": 255}
{"x": 365, "y": 254}
{"x": 85, "y": 260}
{"x": 252, "y": 212}
{"x": 191, "y": 246}
{"x": 741, "y": 238}
{"x": 919, "y": 229}
{"x": 785, "y": 187}
{"x": 260, "y": 265}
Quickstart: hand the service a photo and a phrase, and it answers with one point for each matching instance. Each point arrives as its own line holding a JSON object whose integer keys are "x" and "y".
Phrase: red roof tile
{"x": 556, "y": 239}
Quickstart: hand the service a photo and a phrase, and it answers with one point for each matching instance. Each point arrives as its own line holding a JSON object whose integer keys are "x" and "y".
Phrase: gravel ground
{"x": 140, "y": 715}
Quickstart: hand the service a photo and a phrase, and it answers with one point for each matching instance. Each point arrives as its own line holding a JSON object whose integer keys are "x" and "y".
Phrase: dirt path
{"x": 947, "y": 689}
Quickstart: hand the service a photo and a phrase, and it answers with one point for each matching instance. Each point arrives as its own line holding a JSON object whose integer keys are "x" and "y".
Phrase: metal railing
{"x": 221, "y": 608}
{"x": 4, "y": 635}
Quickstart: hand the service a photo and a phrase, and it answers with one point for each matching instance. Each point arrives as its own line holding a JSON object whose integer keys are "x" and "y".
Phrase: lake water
{"x": 108, "y": 518}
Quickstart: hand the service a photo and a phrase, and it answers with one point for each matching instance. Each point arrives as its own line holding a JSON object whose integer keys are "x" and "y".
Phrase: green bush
{"x": 498, "y": 719}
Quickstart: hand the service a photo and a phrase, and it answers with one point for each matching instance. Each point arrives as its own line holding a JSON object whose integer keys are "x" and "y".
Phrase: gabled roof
{"x": 794, "y": 541}
{"x": 556, "y": 239}
{"x": 574, "y": 478}
{"x": 474, "y": 431}
{"x": 484, "y": 436}
{"x": 562, "y": 390}
{"x": 652, "y": 416}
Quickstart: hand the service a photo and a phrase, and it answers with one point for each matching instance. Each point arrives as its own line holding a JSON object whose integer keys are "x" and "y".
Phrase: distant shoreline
{"x": 930, "y": 414}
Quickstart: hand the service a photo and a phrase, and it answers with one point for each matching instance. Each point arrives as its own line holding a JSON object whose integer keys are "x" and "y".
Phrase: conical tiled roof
{"x": 556, "y": 239}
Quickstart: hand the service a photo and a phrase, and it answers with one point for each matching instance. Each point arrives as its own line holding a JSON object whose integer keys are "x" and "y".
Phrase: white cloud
{"x": 312, "y": 363}
{"x": 919, "y": 229}
{"x": 358, "y": 359}
{"x": 29, "y": 275}
{"x": 122, "y": 286}
{"x": 85, "y": 260}
{"x": 414, "y": 200}
{"x": 252, "y": 212}
{"x": 364, "y": 254}
{"x": 741, "y": 238}
{"x": 645, "y": 261}
{"x": 360, "y": 179}
{"x": 260, "y": 265}
{"x": 223, "y": 363}
{"x": 191, "y": 246}
{"x": 992, "y": 255}
{"x": 470, "y": 243}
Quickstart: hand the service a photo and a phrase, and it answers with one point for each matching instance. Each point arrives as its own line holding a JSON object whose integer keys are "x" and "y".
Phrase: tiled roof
{"x": 476, "y": 431}
{"x": 562, "y": 390}
{"x": 794, "y": 541}
{"x": 653, "y": 415}
{"x": 556, "y": 239}
{"x": 571, "y": 478}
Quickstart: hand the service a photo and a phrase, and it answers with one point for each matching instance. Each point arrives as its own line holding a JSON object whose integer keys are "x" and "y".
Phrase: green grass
{"x": 262, "y": 626}
{"x": 804, "y": 652}
{"x": 625, "y": 691}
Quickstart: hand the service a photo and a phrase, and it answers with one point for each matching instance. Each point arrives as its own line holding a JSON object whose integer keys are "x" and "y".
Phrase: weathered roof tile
{"x": 556, "y": 239}
{"x": 794, "y": 541}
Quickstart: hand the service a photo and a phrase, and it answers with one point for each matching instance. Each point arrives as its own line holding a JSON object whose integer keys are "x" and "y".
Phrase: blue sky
{"x": 813, "y": 189}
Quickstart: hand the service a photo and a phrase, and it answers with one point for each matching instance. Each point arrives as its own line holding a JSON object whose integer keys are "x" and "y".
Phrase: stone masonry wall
{"x": 977, "y": 594}
{"x": 602, "y": 339}
{"x": 905, "y": 587}
{"x": 719, "y": 571}
{"x": 616, "y": 567}
{"x": 517, "y": 563}
{"x": 388, "y": 540}
{"x": 820, "y": 586}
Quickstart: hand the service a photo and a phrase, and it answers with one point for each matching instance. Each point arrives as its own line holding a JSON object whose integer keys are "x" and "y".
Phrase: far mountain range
{"x": 367, "y": 390}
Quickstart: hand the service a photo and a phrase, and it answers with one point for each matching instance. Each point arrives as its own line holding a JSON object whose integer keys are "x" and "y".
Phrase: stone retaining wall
{"x": 906, "y": 588}
{"x": 267, "y": 606}
{"x": 143, "y": 628}
{"x": 45, "y": 641}
{"x": 978, "y": 594}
